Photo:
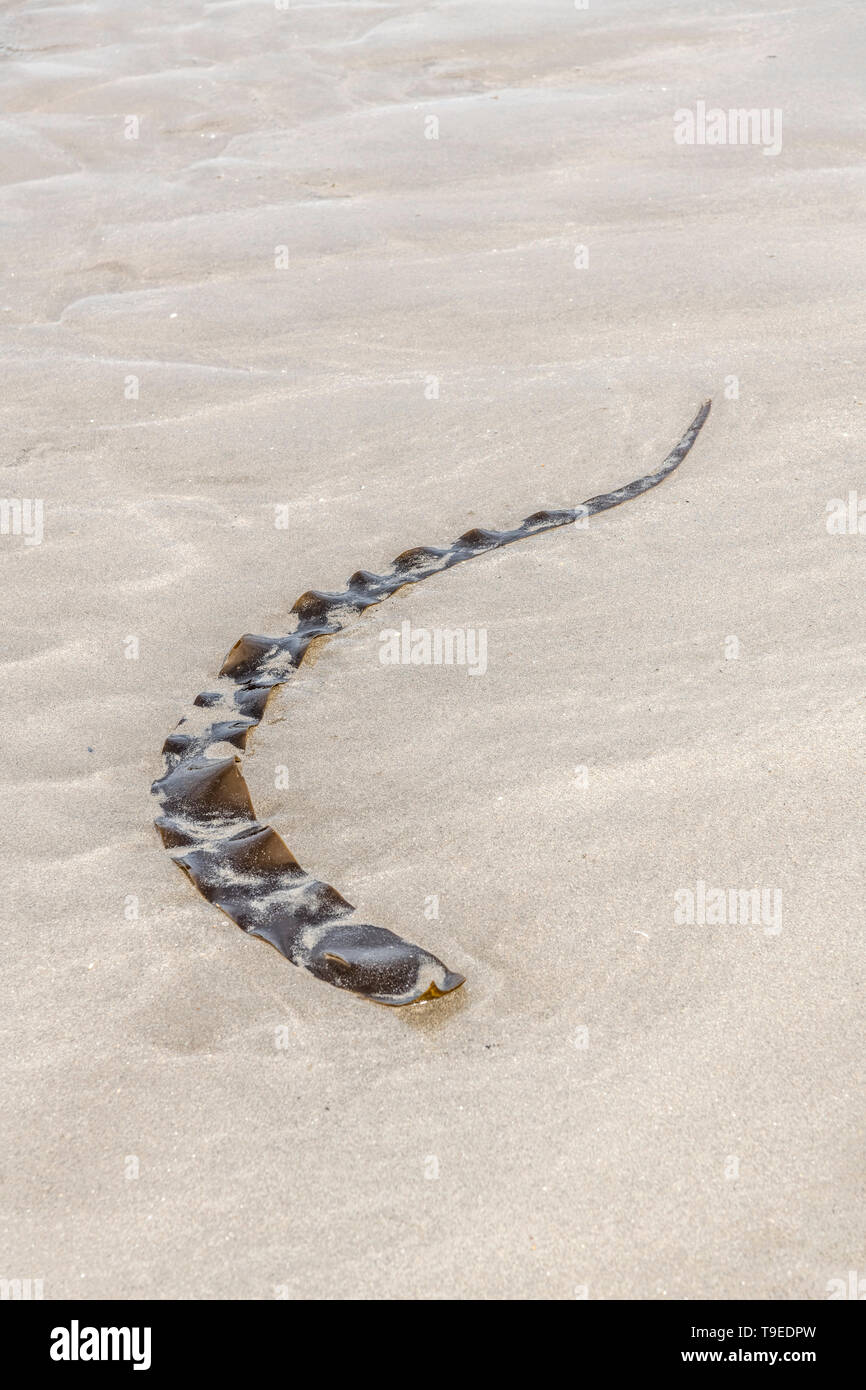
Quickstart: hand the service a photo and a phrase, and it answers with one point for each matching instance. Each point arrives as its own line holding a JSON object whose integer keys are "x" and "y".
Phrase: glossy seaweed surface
{"x": 207, "y": 820}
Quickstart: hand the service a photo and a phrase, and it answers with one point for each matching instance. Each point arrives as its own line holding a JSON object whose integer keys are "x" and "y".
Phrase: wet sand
{"x": 281, "y": 294}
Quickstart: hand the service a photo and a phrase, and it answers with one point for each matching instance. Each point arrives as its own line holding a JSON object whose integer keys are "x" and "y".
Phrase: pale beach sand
{"x": 615, "y": 1104}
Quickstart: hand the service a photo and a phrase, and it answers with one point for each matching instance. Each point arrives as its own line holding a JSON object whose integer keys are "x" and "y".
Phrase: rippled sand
{"x": 242, "y": 277}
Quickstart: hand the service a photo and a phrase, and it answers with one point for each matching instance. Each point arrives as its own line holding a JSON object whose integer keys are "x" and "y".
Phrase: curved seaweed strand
{"x": 208, "y": 822}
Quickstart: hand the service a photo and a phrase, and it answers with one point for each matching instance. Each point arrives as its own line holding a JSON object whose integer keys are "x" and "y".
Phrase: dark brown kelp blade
{"x": 245, "y": 868}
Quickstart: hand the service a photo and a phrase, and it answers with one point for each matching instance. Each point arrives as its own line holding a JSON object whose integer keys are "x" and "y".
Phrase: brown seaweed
{"x": 245, "y": 868}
